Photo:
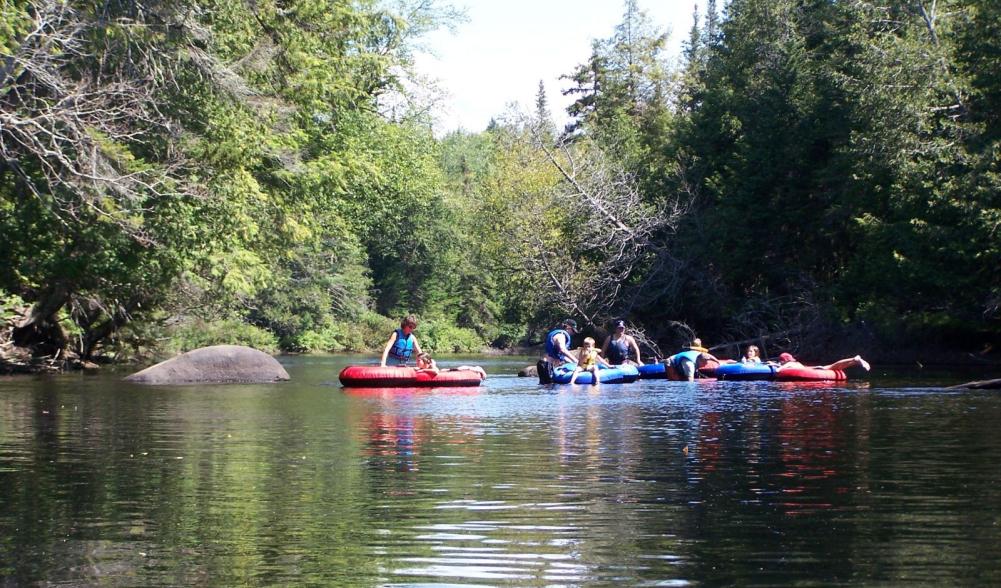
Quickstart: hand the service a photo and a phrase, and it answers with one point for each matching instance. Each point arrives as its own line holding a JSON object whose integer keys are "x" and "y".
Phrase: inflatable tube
{"x": 620, "y": 374}
{"x": 709, "y": 370}
{"x": 654, "y": 371}
{"x": 630, "y": 373}
{"x": 392, "y": 394}
{"x": 662, "y": 371}
{"x": 745, "y": 371}
{"x": 807, "y": 374}
{"x": 371, "y": 376}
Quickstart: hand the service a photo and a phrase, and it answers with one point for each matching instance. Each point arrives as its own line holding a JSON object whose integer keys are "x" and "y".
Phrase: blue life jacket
{"x": 551, "y": 345}
{"x": 618, "y": 350}
{"x": 403, "y": 347}
{"x": 691, "y": 355}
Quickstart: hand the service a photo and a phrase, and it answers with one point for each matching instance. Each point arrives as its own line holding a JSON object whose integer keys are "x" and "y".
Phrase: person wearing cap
{"x": 618, "y": 345}
{"x": 688, "y": 361}
{"x": 557, "y": 350}
{"x": 787, "y": 361}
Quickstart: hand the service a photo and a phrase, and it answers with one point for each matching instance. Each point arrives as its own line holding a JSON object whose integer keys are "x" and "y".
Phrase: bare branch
{"x": 73, "y": 119}
{"x": 616, "y": 245}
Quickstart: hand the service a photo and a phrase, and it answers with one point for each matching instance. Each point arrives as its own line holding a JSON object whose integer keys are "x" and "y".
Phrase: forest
{"x": 819, "y": 174}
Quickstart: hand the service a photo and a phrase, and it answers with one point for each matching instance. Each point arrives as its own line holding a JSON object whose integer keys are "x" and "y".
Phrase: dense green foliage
{"x": 810, "y": 168}
{"x": 838, "y": 152}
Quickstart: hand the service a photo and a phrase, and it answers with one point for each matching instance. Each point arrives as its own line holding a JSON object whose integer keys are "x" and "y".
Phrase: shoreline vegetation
{"x": 823, "y": 177}
{"x": 20, "y": 360}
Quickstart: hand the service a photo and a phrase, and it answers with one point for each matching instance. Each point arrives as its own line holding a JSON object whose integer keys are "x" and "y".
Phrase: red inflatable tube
{"x": 808, "y": 374}
{"x": 368, "y": 376}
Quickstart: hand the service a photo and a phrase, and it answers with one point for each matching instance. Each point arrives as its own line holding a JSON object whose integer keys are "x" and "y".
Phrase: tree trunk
{"x": 41, "y": 331}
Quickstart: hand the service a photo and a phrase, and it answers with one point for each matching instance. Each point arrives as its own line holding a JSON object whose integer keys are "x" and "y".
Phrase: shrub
{"x": 11, "y": 307}
{"x": 194, "y": 333}
{"x": 441, "y": 336}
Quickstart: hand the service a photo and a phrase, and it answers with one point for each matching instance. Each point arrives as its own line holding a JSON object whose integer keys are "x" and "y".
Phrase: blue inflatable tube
{"x": 630, "y": 373}
{"x": 619, "y": 374}
{"x": 745, "y": 371}
{"x": 653, "y": 371}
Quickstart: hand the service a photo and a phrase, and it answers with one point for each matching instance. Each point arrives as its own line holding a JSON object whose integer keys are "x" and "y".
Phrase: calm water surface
{"x": 656, "y": 483}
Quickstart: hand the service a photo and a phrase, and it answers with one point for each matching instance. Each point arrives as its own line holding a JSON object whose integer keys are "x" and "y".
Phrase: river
{"x": 889, "y": 480}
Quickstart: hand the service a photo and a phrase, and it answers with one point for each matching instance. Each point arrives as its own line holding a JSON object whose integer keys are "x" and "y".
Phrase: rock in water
{"x": 216, "y": 364}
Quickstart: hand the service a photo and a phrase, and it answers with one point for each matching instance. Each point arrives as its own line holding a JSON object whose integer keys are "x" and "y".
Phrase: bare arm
{"x": 417, "y": 346}
{"x": 636, "y": 349}
{"x": 561, "y": 349}
{"x": 385, "y": 352}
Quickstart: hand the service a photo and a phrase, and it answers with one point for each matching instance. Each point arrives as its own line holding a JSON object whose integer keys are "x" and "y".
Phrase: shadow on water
{"x": 886, "y": 480}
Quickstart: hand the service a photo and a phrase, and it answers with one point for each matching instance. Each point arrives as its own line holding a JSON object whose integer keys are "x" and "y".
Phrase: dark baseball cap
{"x": 620, "y": 323}
{"x": 570, "y": 323}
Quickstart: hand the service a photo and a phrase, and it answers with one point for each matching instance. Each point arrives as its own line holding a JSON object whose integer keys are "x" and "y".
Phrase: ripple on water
{"x": 650, "y": 484}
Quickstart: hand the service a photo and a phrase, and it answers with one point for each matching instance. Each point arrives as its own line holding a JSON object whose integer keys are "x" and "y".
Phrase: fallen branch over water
{"x": 979, "y": 385}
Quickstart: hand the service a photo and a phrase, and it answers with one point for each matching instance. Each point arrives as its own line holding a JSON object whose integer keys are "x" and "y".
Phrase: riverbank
{"x": 24, "y": 360}
{"x": 19, "y": 360}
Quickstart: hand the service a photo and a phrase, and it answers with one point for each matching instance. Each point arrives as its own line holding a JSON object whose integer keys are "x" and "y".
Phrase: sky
{"x": 498, "y": 56}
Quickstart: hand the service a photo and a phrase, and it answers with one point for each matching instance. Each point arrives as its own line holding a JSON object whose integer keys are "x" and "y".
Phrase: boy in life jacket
{"x": 402, "y": 344}
{"x": 588, "y": 360}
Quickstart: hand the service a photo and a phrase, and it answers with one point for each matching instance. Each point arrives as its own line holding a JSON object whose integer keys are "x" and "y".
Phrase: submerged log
{"x": 218, "y": 364}
{"x": 979, "y": 385}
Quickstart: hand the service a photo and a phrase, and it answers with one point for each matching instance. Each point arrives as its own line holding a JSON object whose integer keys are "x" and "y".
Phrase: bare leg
{"x": 687, "y": 369}
{"x": 573, "y": 377}
{"x": 843, "y": 364}
{"x": 595, "y": 378}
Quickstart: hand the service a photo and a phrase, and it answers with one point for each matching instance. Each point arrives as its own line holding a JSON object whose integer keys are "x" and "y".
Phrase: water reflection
{"x": 654, "y": 483}
{"x": 809, "y": 442}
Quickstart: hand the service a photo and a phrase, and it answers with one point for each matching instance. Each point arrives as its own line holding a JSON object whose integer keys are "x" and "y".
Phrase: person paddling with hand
{"x": 688, "y": 361}
{"x": 557, "y": 350}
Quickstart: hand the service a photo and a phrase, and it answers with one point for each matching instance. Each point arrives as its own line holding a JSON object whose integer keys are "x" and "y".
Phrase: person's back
{"x": 557, "y": 345}
{"x": 685, "y": 362}
{"x": 688, "y": 361}
{"x": 557, "y": 350}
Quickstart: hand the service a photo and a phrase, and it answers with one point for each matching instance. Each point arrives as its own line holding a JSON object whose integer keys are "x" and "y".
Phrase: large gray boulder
{"x": 216, "y": 364}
